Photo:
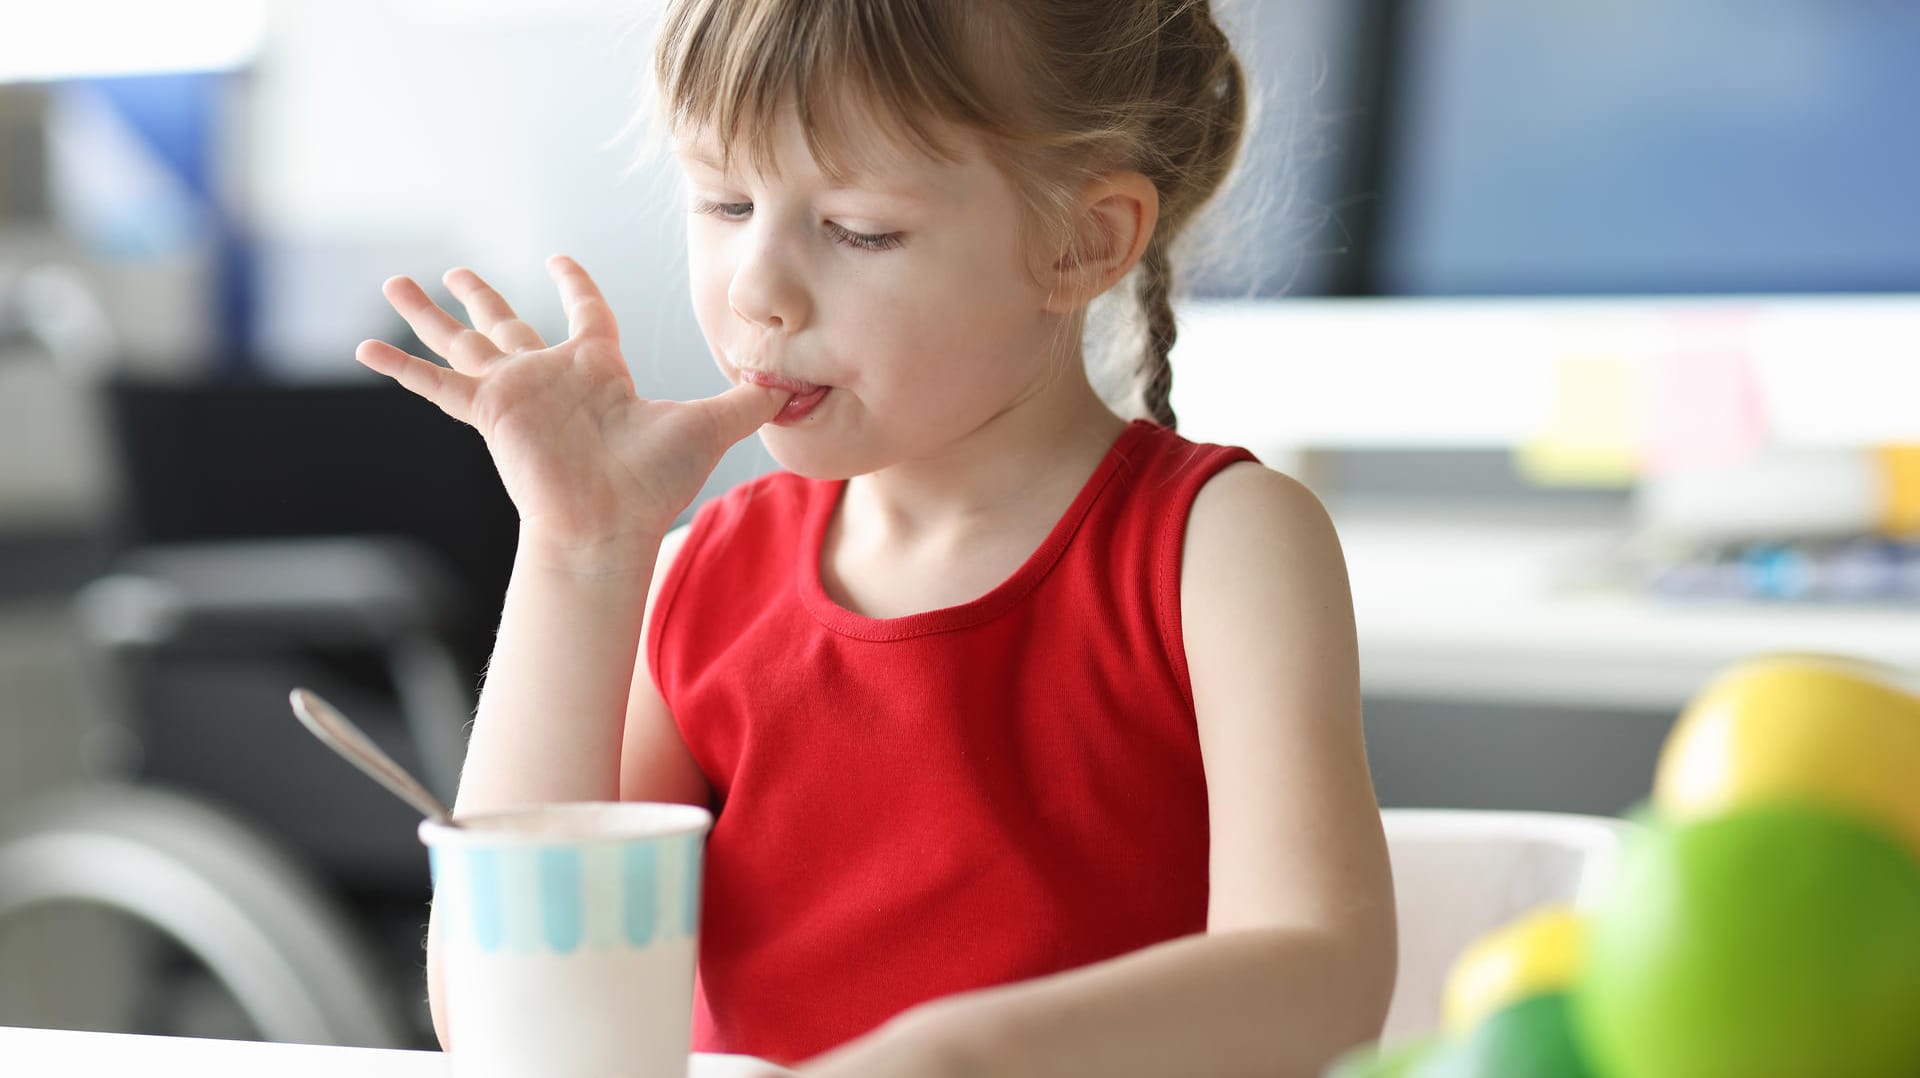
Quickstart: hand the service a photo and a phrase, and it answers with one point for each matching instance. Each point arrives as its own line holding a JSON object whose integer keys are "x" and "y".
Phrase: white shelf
{"x": 1274, "y": 375}
{"x": 1478, "y": 611}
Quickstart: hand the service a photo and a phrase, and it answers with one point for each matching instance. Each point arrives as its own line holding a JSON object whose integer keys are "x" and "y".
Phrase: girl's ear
{"x": 1114, "y": 219}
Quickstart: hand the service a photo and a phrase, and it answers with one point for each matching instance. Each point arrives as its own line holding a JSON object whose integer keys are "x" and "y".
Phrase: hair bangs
{"x": 863, "y": 77}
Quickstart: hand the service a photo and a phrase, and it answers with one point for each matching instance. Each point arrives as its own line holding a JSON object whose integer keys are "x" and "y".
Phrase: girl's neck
{"x": 1027, "y": 463}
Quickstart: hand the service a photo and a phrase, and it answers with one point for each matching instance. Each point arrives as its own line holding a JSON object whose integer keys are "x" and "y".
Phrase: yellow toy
{"x": 1843, "y": 734}
{"x": 1536, "y": 954}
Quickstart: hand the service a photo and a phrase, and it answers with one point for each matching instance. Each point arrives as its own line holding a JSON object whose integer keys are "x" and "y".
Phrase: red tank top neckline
{"x": 1003, "y": 597}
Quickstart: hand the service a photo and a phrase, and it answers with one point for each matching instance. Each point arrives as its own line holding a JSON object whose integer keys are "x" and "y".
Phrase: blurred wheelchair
{"x": 229, "y": 876}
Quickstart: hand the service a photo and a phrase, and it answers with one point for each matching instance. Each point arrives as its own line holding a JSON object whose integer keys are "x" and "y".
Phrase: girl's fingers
{"x": 587, "y": 312}
{"x": 741, "y": 410}
{"x": 490, "y": 313}
{"x": 450, "y": 390}
{"x": 466, "y": 348}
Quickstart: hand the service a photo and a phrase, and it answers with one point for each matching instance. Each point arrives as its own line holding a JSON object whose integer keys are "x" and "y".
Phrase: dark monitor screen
{"x": 1646, "y": 146}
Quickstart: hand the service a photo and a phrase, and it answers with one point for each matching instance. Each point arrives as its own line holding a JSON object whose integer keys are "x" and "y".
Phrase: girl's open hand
{"x": 595, "y": 470}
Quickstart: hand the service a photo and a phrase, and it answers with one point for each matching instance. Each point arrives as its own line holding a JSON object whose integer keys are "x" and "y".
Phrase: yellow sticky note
{"x": 1900, "y": 491}
{"x": 1593, "y": 434}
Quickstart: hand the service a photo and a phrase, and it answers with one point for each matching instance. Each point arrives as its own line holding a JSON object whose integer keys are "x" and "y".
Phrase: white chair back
{"x": 1460, "y": 873}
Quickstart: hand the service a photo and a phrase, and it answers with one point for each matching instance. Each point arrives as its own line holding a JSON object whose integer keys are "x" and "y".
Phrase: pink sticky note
{"x": 1707, "y": 410}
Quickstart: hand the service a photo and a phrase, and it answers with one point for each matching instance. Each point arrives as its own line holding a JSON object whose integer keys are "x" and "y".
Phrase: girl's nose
{"x": 767, "y": 291}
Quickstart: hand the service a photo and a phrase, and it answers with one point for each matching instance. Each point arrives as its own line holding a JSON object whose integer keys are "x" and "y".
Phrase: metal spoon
{"x": 339, "y": 733}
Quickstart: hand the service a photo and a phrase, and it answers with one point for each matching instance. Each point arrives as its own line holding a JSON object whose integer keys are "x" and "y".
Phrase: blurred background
{"x": 1595, "y": 324}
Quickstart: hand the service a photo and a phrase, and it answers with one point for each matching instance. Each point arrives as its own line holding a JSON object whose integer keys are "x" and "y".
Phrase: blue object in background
{"x": 172, "y": 123}
{"x": 1836, "y": 569}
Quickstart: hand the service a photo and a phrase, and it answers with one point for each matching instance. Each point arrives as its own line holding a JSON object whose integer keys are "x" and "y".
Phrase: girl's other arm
{"x": 1298, "y": 961}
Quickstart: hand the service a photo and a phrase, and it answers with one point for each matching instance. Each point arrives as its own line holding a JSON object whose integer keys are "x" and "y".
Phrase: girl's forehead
{"x": 840, "y": 157}
{"x": 838, "y": 134}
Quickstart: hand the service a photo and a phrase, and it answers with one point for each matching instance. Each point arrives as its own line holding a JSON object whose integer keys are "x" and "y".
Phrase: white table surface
{"x": 47, "y": 1053}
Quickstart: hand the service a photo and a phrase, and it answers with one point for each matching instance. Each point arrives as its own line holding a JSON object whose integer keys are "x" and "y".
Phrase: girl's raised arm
{"x": 598, "y": 475}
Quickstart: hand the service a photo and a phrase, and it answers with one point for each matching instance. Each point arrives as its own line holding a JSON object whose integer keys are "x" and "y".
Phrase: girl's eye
{"x": 726, "y": 211}
{"x": 865, "y": 241}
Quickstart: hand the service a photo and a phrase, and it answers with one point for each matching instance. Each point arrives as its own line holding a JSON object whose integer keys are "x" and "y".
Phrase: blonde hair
{"x": 1060, "y": 90}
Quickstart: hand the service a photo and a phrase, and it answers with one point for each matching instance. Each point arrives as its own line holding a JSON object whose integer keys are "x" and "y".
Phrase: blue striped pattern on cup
{"x": 561, "y": 898}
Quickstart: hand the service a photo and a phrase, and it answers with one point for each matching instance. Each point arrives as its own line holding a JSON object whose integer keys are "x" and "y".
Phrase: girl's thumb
{"x": 743, "y": 409}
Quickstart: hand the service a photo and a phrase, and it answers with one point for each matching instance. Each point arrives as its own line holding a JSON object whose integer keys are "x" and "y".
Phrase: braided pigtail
{"x": 1155, "y": 373}
{"x": 1194, "y": 135}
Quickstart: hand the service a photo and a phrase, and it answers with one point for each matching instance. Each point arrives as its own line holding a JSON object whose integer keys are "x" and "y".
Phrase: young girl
{"x": 1032, "y": 733}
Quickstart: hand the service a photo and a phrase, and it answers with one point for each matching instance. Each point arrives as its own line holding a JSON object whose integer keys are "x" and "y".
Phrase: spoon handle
{"x": 340, "y": 734}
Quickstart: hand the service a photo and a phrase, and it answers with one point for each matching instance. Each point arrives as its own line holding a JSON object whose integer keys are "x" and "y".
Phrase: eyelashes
{"x": 865, "y": 241}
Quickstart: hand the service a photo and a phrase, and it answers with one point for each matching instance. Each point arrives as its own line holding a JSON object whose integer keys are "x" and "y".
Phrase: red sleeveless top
{"x": 910, "y": 807}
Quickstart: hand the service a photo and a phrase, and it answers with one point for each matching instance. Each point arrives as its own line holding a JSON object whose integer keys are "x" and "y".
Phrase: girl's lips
{"x": 806, "y": 395}
{"x": 801, "y": 404}
{"x": 775, "y": 381}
